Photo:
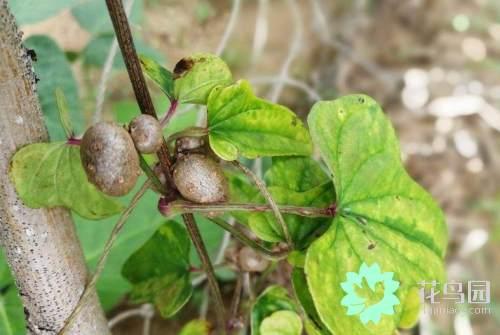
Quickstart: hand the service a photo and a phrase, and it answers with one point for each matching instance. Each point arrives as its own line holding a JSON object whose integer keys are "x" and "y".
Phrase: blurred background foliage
{"x": 433, "y": 65}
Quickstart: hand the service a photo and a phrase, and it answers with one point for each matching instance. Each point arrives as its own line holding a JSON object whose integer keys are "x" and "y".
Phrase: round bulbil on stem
{"x": 200, "y": 179}
{"x": 146, "y": 133}
{"x": 109, "y": 158}
{"x": 250, "y": 260}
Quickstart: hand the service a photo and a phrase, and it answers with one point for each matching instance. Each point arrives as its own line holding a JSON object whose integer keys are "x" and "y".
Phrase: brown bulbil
{"x": 200, "y": 179}
{"x": 146, "y": 133}
{"x": 188, "y": 143}
{"x": 109, "y": 158}
{"x": 251, "y": 261}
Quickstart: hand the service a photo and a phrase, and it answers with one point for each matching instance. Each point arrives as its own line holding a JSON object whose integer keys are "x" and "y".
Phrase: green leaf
{"x": 92, "y": 15}
{"x": 384, "y": 217}
{"x": 298, "y": 181}
{"x": 241, "y": 124}
{"x": 197, "y": 75}
{"x": 304, "y": 297}
{"x": 282, "y": 323}
{"x": 141, "y": 224}
{"x": 51, "y": 175}
{"x": 196, "y": 327}
{"x": 273, "y": 299}
{"x": 54, "y": 71}
{"x": 32, "y": 11}
{"x": 11, "y": 307}
{"x": 64, "y": 118}
{"x": 161, "y": 76}
{"x": 159, "y": 270}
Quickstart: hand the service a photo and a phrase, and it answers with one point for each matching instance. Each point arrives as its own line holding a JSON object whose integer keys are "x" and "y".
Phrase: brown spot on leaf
{"x": 183, "y": 66}
{"x": 371, "y": 246}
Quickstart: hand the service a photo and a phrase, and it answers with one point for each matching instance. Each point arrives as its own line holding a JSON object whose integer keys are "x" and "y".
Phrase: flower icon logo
{"x": 370, "y": 293}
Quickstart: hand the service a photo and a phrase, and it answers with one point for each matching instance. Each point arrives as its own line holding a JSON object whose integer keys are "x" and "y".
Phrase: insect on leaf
{"x": 240, "y": 124}
{"x": 385, "y": 220}
{"x": 51, "y": 175}
{"x": 159, "y": 270}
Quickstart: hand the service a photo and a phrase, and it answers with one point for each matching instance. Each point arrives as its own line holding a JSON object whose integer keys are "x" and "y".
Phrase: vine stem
{"x": 188, "y": 132}
{"x": 182, "y": 207}
{"x": 194, "y": 232}
{"x": 236, "y": 232}
{"x": 104, "y": 256}
{"x": 265, "y": 192}
{"x": 126, "y": 43}
{"x": 171, "y": 111}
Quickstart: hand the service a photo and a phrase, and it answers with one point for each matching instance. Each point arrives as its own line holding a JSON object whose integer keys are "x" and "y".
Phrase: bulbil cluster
{"x": 110, "y": 157}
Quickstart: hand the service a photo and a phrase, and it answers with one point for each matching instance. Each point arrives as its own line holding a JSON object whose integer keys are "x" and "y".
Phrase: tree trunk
{"x": 41, "y": 245}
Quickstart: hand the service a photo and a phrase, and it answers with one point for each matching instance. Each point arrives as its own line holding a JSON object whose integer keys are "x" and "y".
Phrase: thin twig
{"x": 168, "y": 115}
{"x": 235, "y": 11}
{"x": 182, "y": 207}
{"x": 263, "y": 189}
{"x": 208, "y": 268}
{"x": 311, "y": 92}
{"x": 145, "y": 311}
{"x": 106, "y": 71}
{"x": 104, "y": 256}
{"x": 235, "y": 302}
{"x": 261, "y": 30}
{"x": 293, "y": 50}
{"x": 240, "y": 235}
{"x": 326, "y": 37}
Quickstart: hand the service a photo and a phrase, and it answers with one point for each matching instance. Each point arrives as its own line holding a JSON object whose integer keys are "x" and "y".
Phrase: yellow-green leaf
{"x": 240, "y": 124}
{"x": 282, "y": 323}
{"x": 51, "y": 175}
{"x": 196, "y": 327}
{"x": 197, "y": 75}
{"x": 384, "y": 217}
{"x": 273, "y": 299}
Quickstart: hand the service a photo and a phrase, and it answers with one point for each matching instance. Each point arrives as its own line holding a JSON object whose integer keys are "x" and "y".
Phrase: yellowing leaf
{"x": 51, "y": 175}
{"x": 282, "y": 323}
{"x": 240, "y": 124}
{"x": 197, "y": 75}
{"x": 384, "y": 217}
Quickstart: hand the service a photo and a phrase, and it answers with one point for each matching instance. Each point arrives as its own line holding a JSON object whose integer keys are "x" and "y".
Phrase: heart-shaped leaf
{"x": 159, "y": 270}
{"x": 240, "y": 124}
{"x": 384, "y": 217}
{"x": 51, "y": 175}
{"x": 197, "y": 75}
{"x": 161, "y": 76}
{"x": 282, "y": 323}
{"x": 273, "y": 299}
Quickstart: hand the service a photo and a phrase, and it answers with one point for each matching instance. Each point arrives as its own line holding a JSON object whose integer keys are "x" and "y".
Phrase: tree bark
{"x": 41, "y": 245}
